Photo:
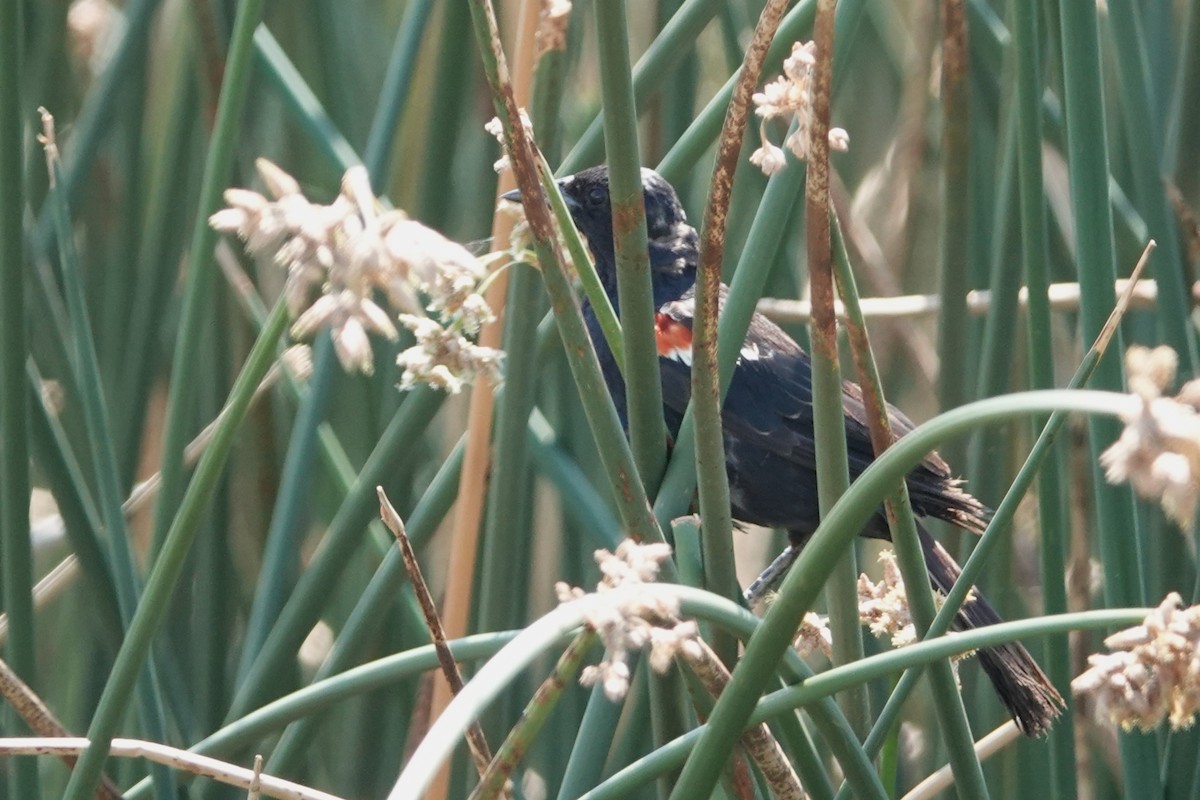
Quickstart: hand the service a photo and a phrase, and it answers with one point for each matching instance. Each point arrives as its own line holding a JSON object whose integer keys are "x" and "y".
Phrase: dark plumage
{"x": 768, "y": 423}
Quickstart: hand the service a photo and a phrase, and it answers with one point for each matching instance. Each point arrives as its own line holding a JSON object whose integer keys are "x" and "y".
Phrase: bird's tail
{"x": 1020, "y": 683}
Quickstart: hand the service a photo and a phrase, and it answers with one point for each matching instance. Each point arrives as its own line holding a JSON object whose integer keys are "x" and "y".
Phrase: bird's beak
{"x": 515, "y": 195}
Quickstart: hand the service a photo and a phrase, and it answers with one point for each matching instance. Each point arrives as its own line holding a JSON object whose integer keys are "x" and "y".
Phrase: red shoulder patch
{"x": 674, "y": 339}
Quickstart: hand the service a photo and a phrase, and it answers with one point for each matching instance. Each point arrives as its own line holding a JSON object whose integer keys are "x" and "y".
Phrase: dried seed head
{"x": 769, "y": 158}
{"x": 278, "y": 183}
{"x": 628, "y": 621}
{"x": 789, "y": 98}
{"x": 298, "y": 361}
{"x": 552, "y": 26}
{"x": 1155, "y": 676}
{"x": 443, "y": 357}
{"x": 1158, "y": 453}
{"x": 814, "y": 636}
{"x": 496, "y": 128}
{"x": 346, "y": 252}
{"x": 883, "y": 606}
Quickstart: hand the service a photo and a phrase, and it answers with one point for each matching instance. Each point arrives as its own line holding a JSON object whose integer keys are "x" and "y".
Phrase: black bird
{"x": 768, "y": 422}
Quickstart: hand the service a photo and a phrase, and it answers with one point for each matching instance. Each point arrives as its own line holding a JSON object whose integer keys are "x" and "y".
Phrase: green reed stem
{"x": 167, "y": 568}
{"x": 200, "y": 276}
{"x": 635, "y": 295}
{"x": 1035, "y": 253}
{"x": 1087, "y": 152}
{"x": 16, "y": 558}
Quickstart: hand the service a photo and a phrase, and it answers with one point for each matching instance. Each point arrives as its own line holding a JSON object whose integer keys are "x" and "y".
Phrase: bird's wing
{"x": 769, "y": 403}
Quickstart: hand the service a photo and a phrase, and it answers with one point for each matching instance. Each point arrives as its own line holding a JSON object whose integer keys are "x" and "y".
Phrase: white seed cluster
{"x": 340, "y": 257}
{"x": 1159, "y": 450}
{"x": 496, "y": 128}
{"x": 627, "y": 622}
{"x": 1153, "y": 673}
{"x": 787, "y": 98}
{"x": 813, "y": 636}
{"x": 883, "y": 606}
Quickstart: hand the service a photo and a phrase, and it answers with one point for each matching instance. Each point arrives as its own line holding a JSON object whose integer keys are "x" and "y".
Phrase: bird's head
{"x": 673, "y": 243}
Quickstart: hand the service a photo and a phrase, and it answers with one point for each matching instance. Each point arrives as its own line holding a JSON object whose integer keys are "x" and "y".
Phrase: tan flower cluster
{"x": 627, "y": 622}
{"x": 443, "y": 358}
{"x": 789, "y": 97}
{"x": 553, "y": 21}
{"x": 350, "y": 250}
{"x": 813, "y": 636}
{"x": 520, "y": 237}
{"x": 1153, "y": 673}
{"x": 93, "y": 29}
{"x": 496, "y": 128}
{"x": 883, "y": 606}
{"x": 1159, "y": 450}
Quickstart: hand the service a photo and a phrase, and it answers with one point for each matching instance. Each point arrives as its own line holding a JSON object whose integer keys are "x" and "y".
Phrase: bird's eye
{"x": 596, "y": 196}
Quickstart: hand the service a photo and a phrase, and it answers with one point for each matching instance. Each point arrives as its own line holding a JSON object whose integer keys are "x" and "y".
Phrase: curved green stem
{"x": 363, "y": 620}
{"x": 988, "y": 542}
{"x": 517, "y": 743}
{"x": 324, "y": 694}
{"x": 837, "y": 530}
{"x": 839, "y": 678}
{"x": 494, "y": 677}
